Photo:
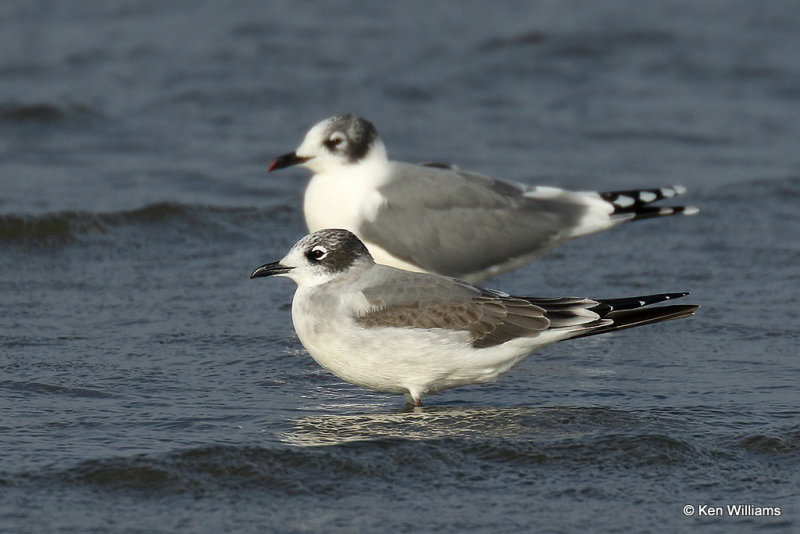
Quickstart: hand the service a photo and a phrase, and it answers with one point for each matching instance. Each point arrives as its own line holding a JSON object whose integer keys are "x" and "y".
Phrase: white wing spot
{"x": 678, "y": 189}
{"x": 624, "y": 201}
{"x": 543, "y": 191}
{"x": 647, "y": 196}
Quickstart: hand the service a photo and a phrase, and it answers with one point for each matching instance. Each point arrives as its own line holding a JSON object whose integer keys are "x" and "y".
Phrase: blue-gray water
{"x": 147, "y": 385}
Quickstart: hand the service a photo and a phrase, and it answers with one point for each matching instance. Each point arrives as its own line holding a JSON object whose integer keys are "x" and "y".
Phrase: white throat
{"x": 341, "y": 194}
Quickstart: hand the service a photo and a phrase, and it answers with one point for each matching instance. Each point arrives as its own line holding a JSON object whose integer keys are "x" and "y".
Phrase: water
{"x": 148, "y": 385}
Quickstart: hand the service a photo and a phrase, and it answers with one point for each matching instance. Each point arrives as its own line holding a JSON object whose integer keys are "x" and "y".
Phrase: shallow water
{"x": 148, "y": 385}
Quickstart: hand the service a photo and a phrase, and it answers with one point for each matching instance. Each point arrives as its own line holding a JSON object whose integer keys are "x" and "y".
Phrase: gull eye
{"x": 317, "y": 253}
{"x": 336, "y": 139}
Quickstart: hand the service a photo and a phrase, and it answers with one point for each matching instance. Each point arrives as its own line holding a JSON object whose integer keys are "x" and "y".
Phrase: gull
{"x": 399, "y": 331}
{"x": 437, "y": 219}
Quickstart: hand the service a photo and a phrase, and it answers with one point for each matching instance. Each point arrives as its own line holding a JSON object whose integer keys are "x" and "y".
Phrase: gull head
{"x": 319, "y": 258}
{"x": 334, "y": 143}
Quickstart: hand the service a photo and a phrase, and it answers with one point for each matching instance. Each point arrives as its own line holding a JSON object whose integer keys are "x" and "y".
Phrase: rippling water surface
{"x": 147, "y": 385}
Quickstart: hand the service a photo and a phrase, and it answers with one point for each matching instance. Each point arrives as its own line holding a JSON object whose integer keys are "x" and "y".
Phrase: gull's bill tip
{"x": 286, "y": 160}
{"x": 270, "y": 269}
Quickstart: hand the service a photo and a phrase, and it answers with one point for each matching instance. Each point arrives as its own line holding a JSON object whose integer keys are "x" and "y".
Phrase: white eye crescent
{"x": 317, "y": 253}
{"x": 336, "y": 139}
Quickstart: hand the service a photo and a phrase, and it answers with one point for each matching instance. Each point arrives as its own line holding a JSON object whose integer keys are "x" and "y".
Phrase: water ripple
{"x": 60, "y": 228}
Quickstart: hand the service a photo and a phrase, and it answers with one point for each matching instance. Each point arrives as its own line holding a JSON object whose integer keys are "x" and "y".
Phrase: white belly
{"x": 401, "y": 360}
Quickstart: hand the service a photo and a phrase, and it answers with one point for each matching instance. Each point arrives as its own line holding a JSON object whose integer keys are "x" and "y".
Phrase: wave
{"x": 63, "y": 227}
{"x": 356, "y": 466}
{"x": 213, "y": 468}
{"x": 369, "y": 449}
{"x": 583, "y": 45}
{"x": 50, "y": 389}
{"x": 687, "y": 138}
{"x": 43, "y": 112}
{"x": 780, "y": 188}
{"x": 415, "y": 449}
{"x": 773, "y": 444}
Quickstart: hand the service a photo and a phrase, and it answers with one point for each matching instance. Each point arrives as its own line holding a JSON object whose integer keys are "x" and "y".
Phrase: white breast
{"x": 344, "y": 197}
{"x": 396, "y": 360}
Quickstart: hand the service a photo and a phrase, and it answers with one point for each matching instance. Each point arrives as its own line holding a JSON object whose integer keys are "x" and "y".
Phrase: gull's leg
{"x": 412, "y": 399}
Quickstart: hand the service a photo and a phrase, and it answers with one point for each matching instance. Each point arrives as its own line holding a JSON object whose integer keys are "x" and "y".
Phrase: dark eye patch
{"x": 316, "y": 253}
{"x": 333, "y": 142}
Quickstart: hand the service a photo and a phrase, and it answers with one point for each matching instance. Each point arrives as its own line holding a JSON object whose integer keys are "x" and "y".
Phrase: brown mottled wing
{"x": 489, "y": 320}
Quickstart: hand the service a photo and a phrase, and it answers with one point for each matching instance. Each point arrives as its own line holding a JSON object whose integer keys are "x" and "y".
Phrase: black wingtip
{"x": 642, "y": 316}
{"x": 636, "y": 202}
{"x": 629, "y": 303}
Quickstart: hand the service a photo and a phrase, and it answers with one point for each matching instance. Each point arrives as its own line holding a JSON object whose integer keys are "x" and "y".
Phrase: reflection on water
{"x": 430, "y": 423}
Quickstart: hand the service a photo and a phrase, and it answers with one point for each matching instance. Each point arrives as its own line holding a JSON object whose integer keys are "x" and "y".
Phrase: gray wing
{"x": 413, "y": 300}
{"x": 404, "y": 299}
{"x": 458, "y": 223}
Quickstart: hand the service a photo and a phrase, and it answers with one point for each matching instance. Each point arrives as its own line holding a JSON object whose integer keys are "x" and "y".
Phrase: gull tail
{"x": 633, "y": 311}
{"x": 635, "y": 202}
